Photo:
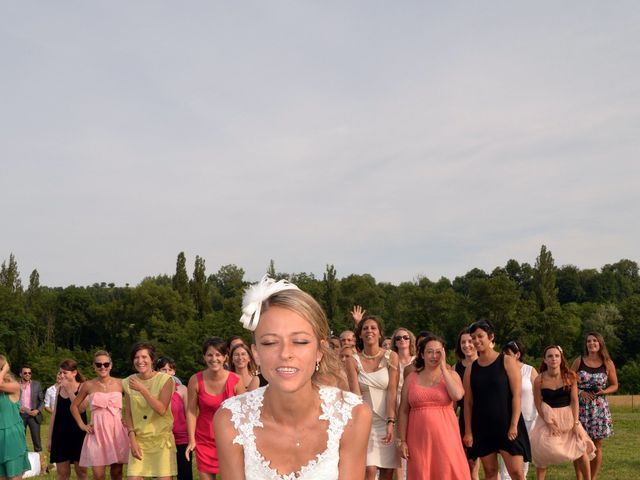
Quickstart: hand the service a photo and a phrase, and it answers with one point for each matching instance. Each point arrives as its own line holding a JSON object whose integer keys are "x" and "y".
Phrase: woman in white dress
{"x": 515, "y": 349}
{"x": 373, "y": 373}
{"x": 306, "y": 430}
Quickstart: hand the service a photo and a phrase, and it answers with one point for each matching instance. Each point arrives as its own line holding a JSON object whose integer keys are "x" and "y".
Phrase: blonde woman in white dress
{"x": 295, "y": 427}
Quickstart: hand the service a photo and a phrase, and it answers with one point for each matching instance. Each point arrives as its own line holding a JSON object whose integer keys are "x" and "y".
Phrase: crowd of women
{"x": 300, "y": 403}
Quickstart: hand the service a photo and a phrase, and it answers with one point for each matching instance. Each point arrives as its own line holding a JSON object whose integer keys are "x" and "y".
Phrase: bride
{"x": 295, "y": 427}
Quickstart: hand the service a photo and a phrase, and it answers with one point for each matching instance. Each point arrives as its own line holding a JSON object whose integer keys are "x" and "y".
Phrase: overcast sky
{"x": 393, "y": 138}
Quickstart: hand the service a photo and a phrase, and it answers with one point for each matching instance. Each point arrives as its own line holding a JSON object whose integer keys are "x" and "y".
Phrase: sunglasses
{"x": 26, "y": 373}
{"x": 401, "y": 337}
{"x": 102, "y": 365}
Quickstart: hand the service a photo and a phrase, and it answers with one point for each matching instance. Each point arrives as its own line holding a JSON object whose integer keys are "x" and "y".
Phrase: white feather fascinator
{"x": 255, "y": 295}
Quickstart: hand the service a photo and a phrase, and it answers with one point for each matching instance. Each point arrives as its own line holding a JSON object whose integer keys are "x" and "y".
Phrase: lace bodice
{"x": 245, "y": 414}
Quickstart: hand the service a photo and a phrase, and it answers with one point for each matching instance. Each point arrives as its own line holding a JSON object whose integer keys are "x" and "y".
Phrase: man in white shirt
{"x": 51, "y": 394}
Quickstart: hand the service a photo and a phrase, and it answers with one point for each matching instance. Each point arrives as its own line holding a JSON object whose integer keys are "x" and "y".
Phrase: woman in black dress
{"x": 493, "y": 418}
{"x": 65, "y": 437}
{"x": 466, "y": 354}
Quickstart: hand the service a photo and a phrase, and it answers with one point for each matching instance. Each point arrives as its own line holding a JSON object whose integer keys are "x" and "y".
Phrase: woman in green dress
{"x": 14, "y": 460}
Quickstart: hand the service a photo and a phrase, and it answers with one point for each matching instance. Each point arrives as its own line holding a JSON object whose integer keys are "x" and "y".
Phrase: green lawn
{"x": 621, "y": 452}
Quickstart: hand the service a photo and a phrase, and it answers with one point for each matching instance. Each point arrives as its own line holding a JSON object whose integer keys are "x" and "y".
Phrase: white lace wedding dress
{"x": 245, "y": 414}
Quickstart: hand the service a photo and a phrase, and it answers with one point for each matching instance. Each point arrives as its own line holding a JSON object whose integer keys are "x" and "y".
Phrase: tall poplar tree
{"x": 200, "y": 288}
{"x": 181, "y": 278}
{"x": 544, "y": 280}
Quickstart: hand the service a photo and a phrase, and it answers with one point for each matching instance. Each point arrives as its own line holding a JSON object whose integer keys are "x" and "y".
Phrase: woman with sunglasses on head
{"x": 373, "y": 374}
{"x": 597, "y": 378}
{"x": 296, "y": 426}
{"x": 558, "y": 436}
{"x": 105, "y": 443}
{"x": 466, "y": 354}
{"x": 515, "y": 349}
{"x": 493, "y": 420}
{"x": 65, "y": 436}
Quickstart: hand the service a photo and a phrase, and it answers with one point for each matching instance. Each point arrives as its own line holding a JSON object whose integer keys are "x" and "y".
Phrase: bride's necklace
{"x": 371, "y": 357}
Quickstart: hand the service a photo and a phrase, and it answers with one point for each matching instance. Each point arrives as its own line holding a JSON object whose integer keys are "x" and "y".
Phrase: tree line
{"x": 540, "y": 305}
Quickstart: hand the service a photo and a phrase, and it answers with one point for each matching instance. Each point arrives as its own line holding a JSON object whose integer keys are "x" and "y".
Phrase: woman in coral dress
{"x": 206, "y": 392}
{"x": 557, "y": 435}
{"x": 106, "y": 441}
{"x": 428, "y": 428}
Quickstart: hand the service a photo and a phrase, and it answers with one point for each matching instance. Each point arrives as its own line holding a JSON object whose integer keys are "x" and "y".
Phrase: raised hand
{"x": 357, "y": 313}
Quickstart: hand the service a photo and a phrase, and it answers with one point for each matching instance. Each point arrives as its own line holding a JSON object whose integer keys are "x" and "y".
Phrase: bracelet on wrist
{"x": 391, "y": 420}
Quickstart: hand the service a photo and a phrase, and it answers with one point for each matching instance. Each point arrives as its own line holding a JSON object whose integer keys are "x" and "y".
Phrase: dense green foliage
{"x": 540, "y": 305}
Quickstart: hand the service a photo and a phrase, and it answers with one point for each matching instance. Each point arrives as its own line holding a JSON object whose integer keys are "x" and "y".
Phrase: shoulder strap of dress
{"x": 337, "y": 407}
{"x": 356, "y": 357}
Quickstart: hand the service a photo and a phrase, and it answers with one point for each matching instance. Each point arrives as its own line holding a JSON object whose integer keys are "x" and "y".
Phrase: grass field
{"x": 621, "y": 451}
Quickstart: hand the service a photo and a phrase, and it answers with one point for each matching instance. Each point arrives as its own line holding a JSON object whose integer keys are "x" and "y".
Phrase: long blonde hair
{"x": 329, "y": 368}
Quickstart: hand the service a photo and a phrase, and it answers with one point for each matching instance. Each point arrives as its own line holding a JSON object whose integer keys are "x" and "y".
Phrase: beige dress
{"x": 570, "y": 443}
{"x": 373, "y": 386}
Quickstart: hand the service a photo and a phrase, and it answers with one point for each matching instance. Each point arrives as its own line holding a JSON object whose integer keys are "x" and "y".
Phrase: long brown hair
{"x": 603, "y": 352}
{"x": 419, "y": 361}
{"x": 360, "y": 326}
{"x": 252, "y": 367}
{"x": 69, "y": 365}
{"x": 568, "y": 376}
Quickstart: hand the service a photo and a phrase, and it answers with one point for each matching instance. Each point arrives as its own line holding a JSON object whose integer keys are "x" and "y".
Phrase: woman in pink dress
{"x": 179, "y": 411}
{"x": 105, "y": 443}
{"x": 206, "y": 392}
{"x": 427, "y": 425}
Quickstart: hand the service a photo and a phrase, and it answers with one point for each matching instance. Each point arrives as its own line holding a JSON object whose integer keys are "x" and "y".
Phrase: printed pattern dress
{"x": 336, "y": 405}
{"x": 595, "y": 415}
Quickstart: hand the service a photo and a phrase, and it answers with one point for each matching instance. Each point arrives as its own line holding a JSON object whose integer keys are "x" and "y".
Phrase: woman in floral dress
{"x": 596, "y": 378}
